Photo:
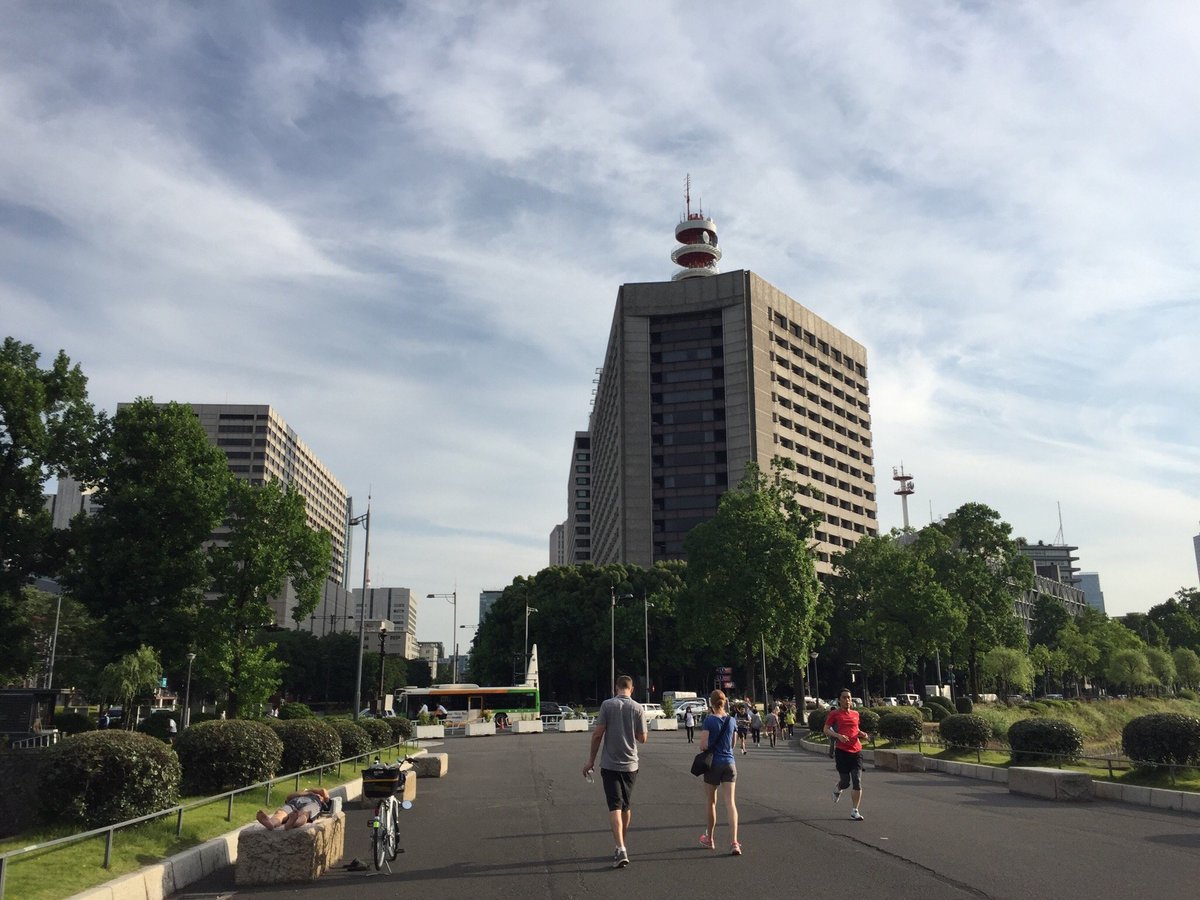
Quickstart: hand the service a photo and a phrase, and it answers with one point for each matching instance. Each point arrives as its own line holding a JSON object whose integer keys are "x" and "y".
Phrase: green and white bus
{"x": 466, "y": 702}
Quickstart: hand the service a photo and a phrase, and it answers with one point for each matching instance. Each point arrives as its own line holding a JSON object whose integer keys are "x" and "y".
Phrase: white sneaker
{"x": 837, "y": 795}
{"x": 856, "y": 815}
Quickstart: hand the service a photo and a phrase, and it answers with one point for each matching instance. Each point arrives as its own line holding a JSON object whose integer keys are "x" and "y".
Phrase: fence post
{"x": 179, "y": 823}
{"x": 229, "y": 810}
{"x": 108, "y": 842}
{"x": 1110, "y": 774}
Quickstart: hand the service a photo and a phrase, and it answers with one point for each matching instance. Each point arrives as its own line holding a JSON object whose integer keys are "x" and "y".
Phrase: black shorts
{"x": 618, "y": 788}
{"x": 849, "y": 767}
{"x": 720, "y": 773}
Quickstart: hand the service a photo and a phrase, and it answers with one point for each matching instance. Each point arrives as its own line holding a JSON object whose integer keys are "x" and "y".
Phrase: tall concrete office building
{"x": 261, "y": 447}
{"x": 705, "y": 373}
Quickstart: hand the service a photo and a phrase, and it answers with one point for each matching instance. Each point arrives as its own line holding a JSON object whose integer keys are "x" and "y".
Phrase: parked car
{"x": 551, "y": 708}
{"x": 698, "y": 707}
{"x": 908, "y": 699}
{"x": 889, "y": 701}
{"x": 653, "y": 710}
{"x": 367, "y": 713}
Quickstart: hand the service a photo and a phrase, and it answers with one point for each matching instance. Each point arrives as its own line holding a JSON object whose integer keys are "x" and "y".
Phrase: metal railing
{"x": 109, "y": 831}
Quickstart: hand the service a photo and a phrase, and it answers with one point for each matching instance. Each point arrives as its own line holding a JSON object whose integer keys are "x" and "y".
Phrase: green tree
{"x": 1047, "y": 619}
{"x": 981, "y": 566}
{"x": 1009, "y": 669}
{"x": 47, "y": 428}
{"x": 130, "y": 679}
{"x": 1145, "y": 628}
{"x": 1130, "y": 668}
{"x": 1079, "y": 654}
{"x": 1039, "y": 658}
{"x": 751, "y": 568}
{"x": 894, "y": 602}
{"x": 268, "y": 546}
{"x": 140, "y": 565}
{"x": 1179, "y": 619}
{"x": 1162, "y": 667}
{"x": 1187, "y": 667}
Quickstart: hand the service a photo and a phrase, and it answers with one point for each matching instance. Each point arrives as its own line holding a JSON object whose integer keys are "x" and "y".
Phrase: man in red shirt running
{"x": 841, "y": 726}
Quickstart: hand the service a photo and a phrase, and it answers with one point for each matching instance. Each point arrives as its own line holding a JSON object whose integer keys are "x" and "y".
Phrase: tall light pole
{"x": 612, "y": 640}
{"x": 476, "y": 627}
{"x": 525, "y": 659}
{"x": 453, "y": 598}
{"x": 646, "y": 622}
{"x": 766, "y": 695}
{"x": 384, "y": 627}
{"x": 54, "y": 644}
{"x": 816, "y": 685}
{"x": 365, "y": 520}
{"x": 187, "y": 693}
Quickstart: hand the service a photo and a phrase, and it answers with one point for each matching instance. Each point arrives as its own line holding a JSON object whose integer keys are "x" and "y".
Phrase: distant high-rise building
{"x": 704, "y": 374}
{"x": 397, "y": 605}
{"x": 558, "y": 544}
{"x": 486, "y": 601}
{"x": 1089, "y": 583}
{"x": 577, "y": 529}
{"x": 1196, "y": 550}
{"x": 1053, "y": 561}
{"x": 69, "y": 499}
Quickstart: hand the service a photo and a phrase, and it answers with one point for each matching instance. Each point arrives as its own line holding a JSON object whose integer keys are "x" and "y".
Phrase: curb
{"x": 1132, "y": 794}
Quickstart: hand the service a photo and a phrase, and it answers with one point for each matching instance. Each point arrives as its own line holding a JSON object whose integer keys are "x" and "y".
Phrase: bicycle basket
{"x": 380, "y": 783}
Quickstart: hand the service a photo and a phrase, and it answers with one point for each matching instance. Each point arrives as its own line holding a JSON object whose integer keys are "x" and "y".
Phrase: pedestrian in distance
{"x": 772, "y": 724}
{"x": 717, "y": 736}
{"x": 742, "y": 718}
{"x": 689, "y": 723}
{"x": 756, "y": 725}
{"x": 841, "y": 726}
{"x": 790, "y": 720}
{"x": 620, "y": 727}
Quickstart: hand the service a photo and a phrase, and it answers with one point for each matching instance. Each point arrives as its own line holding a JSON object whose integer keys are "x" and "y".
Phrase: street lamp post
{"x": 612, "y": 636}
{"x": 364, "y": 520}
{"x": 816, "y": 686}
{"x": 187, "y": 692}
{"x": 453, "y": 598}
{"x": 525, "y": 659}
{"x": 384, "y": 627}
{"x": 54, "y": 643}
{"x": 766, "y": 694}
{"x": 646, "y": 617}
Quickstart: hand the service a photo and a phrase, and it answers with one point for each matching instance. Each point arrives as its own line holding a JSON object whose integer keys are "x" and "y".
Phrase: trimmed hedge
{"x": 1165, "y": 738}
{"x": 964, "y": 705}
{"x": 816, "y": 720}
{"x": 926, "y": 713}
{"x": 401, "y": 728}
{"x": 900, "y": 726}
{"x": 221, "y": 755}
{"x": 306, "y": 743}
{"x": 943, "y": 702}
{"x": 940, "y": 713}
{"x": 355, "y": 741}
{"x": 378, "y": 729}
{"x": 103, "y": 777}
{"x": 295, "y": 711}
{"x": 1033, "y": 740}
{"x": 73, "y": 722}
{"x": 868, "y": 721}
{"x": 965, "y": 731}
{"x": 157, "y": 724}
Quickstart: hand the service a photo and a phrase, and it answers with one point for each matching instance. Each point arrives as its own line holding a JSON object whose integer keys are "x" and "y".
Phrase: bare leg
{"x": 731, "y": 807}
{"x": 617, "y": 820}
{"x": 856, "y": 797}
{"x": 296, "y": 819}
{"x": 267, "y": 822}
{"x": 711, "y": 790}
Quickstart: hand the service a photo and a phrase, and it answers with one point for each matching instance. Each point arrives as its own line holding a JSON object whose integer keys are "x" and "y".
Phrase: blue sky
{"x": 403, "y": 225}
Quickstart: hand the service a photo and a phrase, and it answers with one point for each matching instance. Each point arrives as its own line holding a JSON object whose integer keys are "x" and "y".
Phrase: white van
{"x": 653, "y": 710}
{"x": 908, "y": 699}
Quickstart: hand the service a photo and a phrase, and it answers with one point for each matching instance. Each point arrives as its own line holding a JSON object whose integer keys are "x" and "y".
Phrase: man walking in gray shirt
{"x": 620, "y": 727}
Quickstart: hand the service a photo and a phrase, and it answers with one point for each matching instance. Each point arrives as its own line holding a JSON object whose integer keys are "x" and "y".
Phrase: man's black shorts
{"x": 618, "y": 788}
{"x": 847, "y": 762}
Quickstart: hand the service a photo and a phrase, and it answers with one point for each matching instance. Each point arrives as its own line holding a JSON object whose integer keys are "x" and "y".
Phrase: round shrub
{"x": 73, "y": 722}
{"x": 965, "y": 731}
{"x": 940, "y": 712}
{"x": 220, "y": 755}
{"x": 997, "y": 720}
{"x": 401, "y": 728}
{"x": 378, "y": 729}
{"x": 868, "y": 721}
{"x": 355, "y": 741}
{"x": 926, "y": 713}
{"x": 944, "y": 702}
{"x": 295, "y": 711}
{"x": 1187, "y": 694}
{"x": 900, "y": 727}
{"x": 157, "y": 724}
{"x": 913, "y": 712}
{"x": 1041, "y": 737}
{"x": 102, "y": 777}
{"x": 964, "y": 705}
{"x": 1036, "y": 707}
{"x": 1166, "y": 738}
{"x": 306, "y": 743}
{"x": 816, "y": 720}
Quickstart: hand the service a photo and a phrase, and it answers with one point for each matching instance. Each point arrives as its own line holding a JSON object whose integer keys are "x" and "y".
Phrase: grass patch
{"x": 62, "y": 871}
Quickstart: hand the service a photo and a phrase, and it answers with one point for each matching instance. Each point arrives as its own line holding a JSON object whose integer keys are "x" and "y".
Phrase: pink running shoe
{"x": 706, "y": 841}
{"x": 735, "y": 849}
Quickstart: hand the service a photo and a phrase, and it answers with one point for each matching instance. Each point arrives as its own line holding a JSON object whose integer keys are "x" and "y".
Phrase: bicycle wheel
{"x": 394, "y": 832}
{"x": 378, "y": 834}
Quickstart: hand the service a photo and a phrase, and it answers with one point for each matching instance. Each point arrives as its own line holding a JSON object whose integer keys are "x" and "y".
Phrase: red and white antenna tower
{"x": 697, "y": 235}
{"x": 904, "y": 487}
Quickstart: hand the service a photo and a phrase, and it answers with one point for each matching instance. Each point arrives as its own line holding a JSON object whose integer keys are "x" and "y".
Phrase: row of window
{"x": 842, "y": 359}
{"x": 804, "y": 450}
{"x": 861, "y": 403}
{"x": 678, "y": 376}
{"x": 816, "y": 400}
{"x": 683, "y": 438}
{"x": 693, "y": 396}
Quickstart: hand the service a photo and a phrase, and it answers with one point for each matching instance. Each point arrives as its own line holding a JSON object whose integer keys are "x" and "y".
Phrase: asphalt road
{"x": 515, "y": 818}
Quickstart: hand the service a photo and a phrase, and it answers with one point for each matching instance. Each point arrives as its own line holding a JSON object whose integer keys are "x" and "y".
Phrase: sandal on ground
{"x": 735, "y": 849}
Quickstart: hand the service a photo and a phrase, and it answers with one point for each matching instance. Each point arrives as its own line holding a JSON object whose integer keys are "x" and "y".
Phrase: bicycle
{"x": 382, "y": 783}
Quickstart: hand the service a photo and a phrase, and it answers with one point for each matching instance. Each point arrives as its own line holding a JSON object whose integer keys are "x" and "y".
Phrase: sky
{"x": 403, "y": 225}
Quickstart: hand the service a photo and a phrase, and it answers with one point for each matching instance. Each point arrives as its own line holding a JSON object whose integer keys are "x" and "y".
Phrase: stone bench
{"x": 430, "y": 765}
{"x": 1050, "y": 784}
{"x": 900, "y": 760}
{"x": 528, "y": 726}
{"x": 289, "y": 856}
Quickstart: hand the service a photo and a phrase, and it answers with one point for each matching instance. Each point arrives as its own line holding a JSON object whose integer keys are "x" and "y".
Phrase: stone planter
{"x": 527, "y": 726}
{"x": 664, "y": 724}
{"x": 480, "y": 728}
{"x": 573, "y": 725}
{"x": 425, "y": 732}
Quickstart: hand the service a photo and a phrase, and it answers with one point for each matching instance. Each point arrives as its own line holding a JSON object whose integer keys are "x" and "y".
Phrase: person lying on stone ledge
{"x": 300, "y": 809}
